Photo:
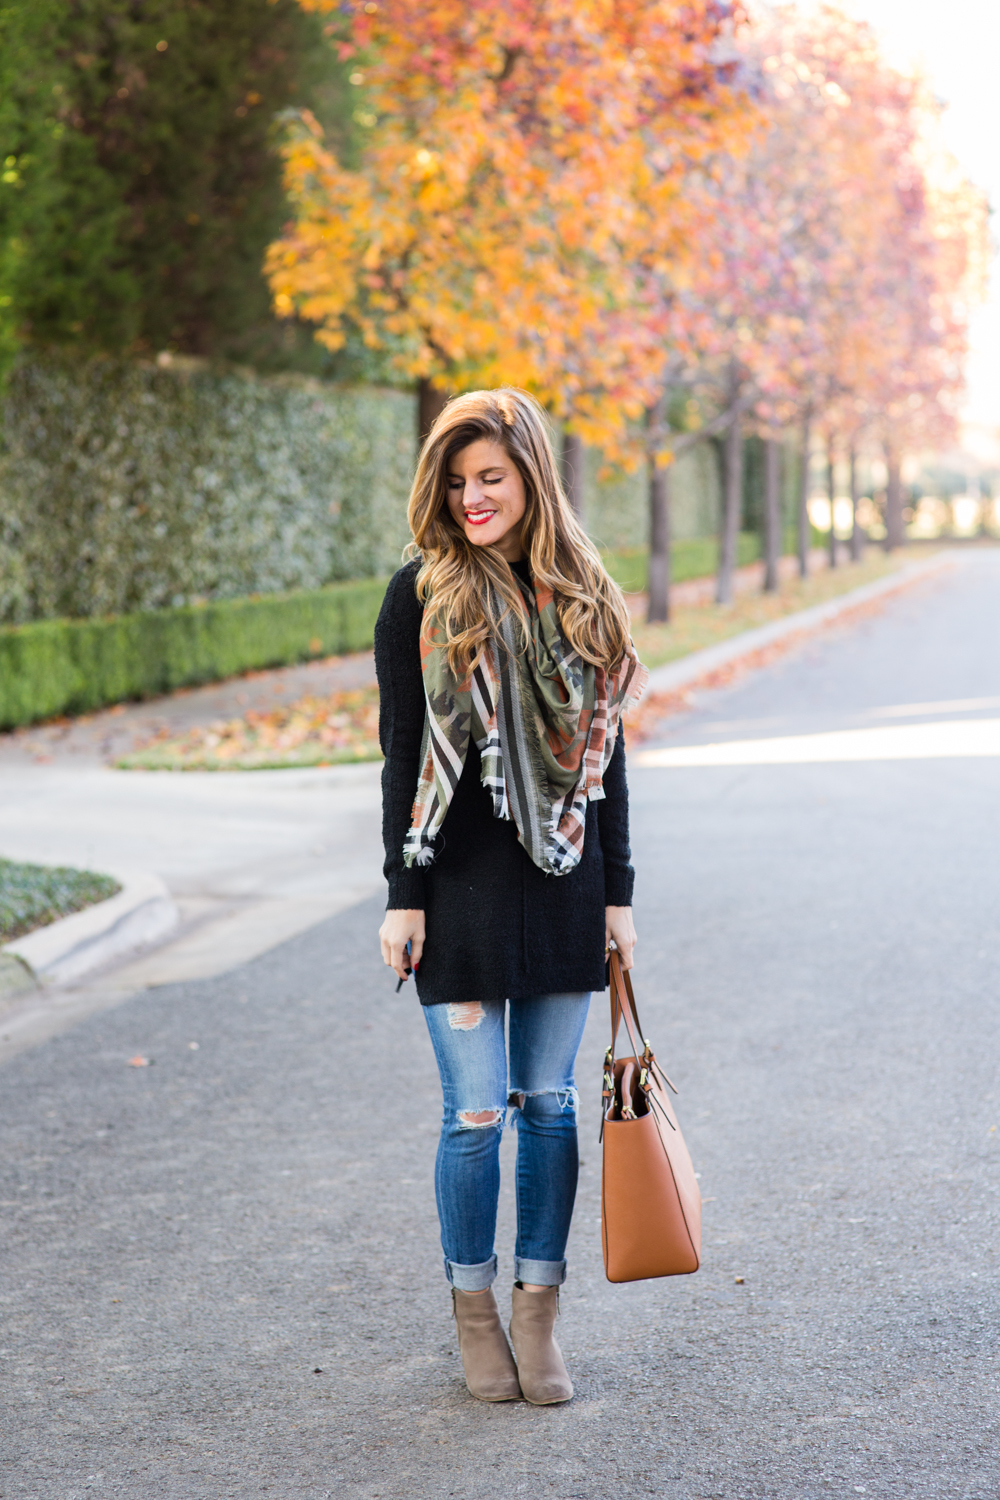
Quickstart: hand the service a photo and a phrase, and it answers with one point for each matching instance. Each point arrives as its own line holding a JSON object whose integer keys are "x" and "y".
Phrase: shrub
{"x": 52, "y": 667}
{"x": 140, "y": 189}
{"x": 126, "y": 487}
{"x": 34, "y": 895}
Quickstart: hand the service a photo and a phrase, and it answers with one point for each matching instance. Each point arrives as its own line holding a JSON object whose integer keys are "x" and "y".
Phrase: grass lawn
{"x": 34, "y": 895}
{"x": 691, "y": 557}
{"x": 696, "y": 626}
{"x": 315, "y": 731}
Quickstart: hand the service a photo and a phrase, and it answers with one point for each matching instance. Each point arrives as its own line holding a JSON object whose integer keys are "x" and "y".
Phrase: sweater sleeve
{"x": 400, "y": 728}
{"x": 612, "y": 821}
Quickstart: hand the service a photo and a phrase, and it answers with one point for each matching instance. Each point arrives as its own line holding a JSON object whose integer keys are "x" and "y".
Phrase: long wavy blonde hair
{"x": 466, "y": 584}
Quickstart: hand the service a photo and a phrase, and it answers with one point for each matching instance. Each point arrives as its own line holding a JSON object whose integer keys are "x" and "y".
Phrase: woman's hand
{"x": 618, "y": 927}
{"x": 398, "y": 929}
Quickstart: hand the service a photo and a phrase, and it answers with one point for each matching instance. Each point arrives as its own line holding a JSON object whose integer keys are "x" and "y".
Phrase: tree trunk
{"x": 831, "y": 490}
{"x": 731, "y": 510}
{"x": 857, "y": 535}
{"x": 894, "y": 536}
{"x": 430, "y": 404}
{"x": 572, "y": 466}
{"x": 659, "y": 534}
{"x": 805, "y": 531}
{"x": 772, "y": 514}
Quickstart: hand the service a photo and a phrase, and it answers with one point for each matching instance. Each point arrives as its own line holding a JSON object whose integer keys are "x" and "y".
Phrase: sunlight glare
{"x": 951, "y": 739}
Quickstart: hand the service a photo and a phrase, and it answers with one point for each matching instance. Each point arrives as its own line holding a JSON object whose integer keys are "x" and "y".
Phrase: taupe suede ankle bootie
{"x": 540, "y": 1369}
{"x": 490, "y": 1372}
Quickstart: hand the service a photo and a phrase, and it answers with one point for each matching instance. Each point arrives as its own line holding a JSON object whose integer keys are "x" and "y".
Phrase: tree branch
{"x": 684, "y": 441}
{"x": 510, "y": 57}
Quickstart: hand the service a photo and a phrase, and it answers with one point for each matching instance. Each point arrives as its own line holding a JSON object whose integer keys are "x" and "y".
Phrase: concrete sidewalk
{"x": 251, "y": 859}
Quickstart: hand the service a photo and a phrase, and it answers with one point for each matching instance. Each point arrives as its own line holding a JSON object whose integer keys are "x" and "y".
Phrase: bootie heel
{"x": 541, "y": 1371}
{"x": 490, "y": 1372}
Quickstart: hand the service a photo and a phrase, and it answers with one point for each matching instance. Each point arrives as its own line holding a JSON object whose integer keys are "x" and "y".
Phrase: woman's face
{"x": 486, "y": 497}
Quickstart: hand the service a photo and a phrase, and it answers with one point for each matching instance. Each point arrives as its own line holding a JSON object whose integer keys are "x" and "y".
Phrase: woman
{"x": 504, "y": 663}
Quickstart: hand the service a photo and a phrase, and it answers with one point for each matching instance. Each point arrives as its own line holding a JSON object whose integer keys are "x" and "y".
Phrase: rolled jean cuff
{"x": 539, "y": 1272}
{"x": 472, "y": 1278}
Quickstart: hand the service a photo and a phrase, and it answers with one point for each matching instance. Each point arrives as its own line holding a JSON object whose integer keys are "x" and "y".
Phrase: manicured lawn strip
{"x": 692, "y": 557}
{"x": 696, "y": 626}
{"x": 263, "y": 760}
{"x": 34, "y": 895}
{"x": 317, "y": 730}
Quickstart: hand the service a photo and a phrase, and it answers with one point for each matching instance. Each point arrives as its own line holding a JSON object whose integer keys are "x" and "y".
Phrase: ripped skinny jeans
{"x": 468, "y": 1040}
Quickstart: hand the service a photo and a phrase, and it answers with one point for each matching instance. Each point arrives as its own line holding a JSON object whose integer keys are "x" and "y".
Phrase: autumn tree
{"x": 902, "y": 249}
{"x": 515, "y": 150}
{"x": 836, "y": 264}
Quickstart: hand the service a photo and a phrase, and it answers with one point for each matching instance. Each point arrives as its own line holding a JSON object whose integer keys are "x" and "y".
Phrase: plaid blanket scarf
{"x": 545, "y": 723}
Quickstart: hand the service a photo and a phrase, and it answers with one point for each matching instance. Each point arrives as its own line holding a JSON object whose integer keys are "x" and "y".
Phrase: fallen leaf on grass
{"x": 644, "y": 719}
{"x": 317, "y": 730}
{"x": 138, "y": 1062}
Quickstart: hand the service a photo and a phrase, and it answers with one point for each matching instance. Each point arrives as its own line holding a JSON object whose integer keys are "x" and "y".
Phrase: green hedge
{"x": 127, "y": 487}
{"x": 52, "y": 667}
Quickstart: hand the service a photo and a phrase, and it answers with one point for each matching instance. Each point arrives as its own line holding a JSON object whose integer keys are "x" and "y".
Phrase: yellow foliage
{"x": 518, "y": 205}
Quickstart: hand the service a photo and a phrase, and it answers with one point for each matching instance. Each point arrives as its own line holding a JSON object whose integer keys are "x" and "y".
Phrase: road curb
{"x": 690, "y": 670}
{"x": 142, "y": 912}
{"x": 16, "y": 979}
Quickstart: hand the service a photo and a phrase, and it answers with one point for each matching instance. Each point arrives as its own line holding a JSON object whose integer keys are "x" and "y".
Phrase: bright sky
{"x": 957, "y": 45}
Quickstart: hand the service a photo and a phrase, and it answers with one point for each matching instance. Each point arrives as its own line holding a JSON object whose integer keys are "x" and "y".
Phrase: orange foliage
{"x": 522, "y": 179}
{"x": 579, "y": 197}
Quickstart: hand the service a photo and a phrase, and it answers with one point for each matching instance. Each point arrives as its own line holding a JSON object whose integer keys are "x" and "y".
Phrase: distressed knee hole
{"x": 465, "y": 1017}
{"x": 542, "y": 1102}
{"x": 477, "y": 1118}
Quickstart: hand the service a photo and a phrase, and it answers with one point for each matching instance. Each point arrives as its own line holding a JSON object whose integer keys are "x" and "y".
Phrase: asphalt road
{"x": 221, "y": 1275}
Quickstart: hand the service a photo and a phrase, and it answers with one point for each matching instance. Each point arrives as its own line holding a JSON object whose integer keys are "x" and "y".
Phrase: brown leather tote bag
{"x": 650, "y": 1202}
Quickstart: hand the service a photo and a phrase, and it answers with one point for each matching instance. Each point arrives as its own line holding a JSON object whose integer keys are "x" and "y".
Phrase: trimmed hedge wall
{"x": 52, "y": 667}
{"x": 127, "y": 487}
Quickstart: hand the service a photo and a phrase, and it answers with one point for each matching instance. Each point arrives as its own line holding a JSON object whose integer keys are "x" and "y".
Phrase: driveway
{"x": 222, "y": 1275}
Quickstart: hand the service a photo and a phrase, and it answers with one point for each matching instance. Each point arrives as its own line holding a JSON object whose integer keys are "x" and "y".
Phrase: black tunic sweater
{"x": 497, "y": 926}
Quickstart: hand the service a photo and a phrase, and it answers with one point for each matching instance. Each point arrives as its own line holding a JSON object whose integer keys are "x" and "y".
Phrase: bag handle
{"x": 623, "y": 1007}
